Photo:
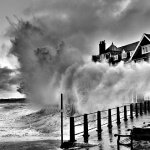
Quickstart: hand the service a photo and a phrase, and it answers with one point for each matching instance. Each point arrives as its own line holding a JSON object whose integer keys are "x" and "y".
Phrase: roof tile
{"x": 129, "y": 47}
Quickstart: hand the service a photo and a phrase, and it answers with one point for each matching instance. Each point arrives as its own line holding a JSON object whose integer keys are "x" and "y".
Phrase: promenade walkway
{"x": 108, "y": 141}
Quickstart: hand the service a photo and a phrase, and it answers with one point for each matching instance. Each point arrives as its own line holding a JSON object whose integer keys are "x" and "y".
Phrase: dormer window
{"x": 145, "y": 49}
{"x": 115, "y": 57}
{"x": 124, "y": 55}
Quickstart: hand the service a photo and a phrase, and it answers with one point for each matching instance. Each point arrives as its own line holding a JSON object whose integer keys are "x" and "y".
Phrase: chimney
{"x": 102, "y": 47}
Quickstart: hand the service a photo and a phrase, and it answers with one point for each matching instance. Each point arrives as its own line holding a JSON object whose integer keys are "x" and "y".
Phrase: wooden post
{"x": 131, "y": 111}
{"x": 148, "y": 106}
{"x": 131, "y": 142}
{"x": 125, "y": 113}
{"x": 99, "y": 125}
{"x": 118, "y": 143}
{"x": 145, "y": 108}
{"x": 109, "y": 119}
{"x": 118, "y": 116}
{"x": 136, "y": 109}
{"x": 72, "y": 130}
{"x": 61, "y": 119}
{"x": 141, "y": 108}
{"x": 86, "y": 136}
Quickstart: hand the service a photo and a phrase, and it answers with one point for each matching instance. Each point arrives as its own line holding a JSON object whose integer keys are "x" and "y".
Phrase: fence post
{"x": 61, "y": 119}
{"x": 109, "y": 119}
{"x": 72, "y": 130}
{"x": 125, "y": 113}
{"x": 141, "y": 108}
{"x": 118, "y": 116}
{"x": 145, "y": 107}
{"x": 131, "y": 111}
{"x": 86, "y": 136}
{"x": 99, "y": 125}
{"x": 136, "y": 109}
{"x": 148, "y": 106}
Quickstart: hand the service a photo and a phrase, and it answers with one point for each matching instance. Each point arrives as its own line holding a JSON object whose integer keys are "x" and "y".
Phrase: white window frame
{"x": 131, "y": 53}
{"x": 145, "y": 49}
{"x": 124, "y": 55}
{"x": 102, "y": 57}
{"x": 115, "y": 57}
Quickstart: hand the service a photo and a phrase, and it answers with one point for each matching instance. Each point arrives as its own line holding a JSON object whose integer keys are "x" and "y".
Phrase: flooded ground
{"x": 108, "y": 141}
{"x": 24, "y": 127}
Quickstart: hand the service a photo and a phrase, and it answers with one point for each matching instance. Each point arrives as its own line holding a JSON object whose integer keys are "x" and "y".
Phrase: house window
{"x": 102, "y": 56}
{"x": 131, "y": 53}
{"x": 146, "y": 49}
{"x": 140, "y": 60}
{"x": 115, "y": 57}
{"x": 107, "y": 55}
{"x": 124, "y": 55}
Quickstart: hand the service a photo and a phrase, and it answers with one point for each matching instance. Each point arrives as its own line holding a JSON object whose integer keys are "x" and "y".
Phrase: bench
{"x": 136, "y": 134}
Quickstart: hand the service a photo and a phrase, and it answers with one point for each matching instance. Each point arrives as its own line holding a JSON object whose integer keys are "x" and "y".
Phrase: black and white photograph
{"x": 74, "y": 75}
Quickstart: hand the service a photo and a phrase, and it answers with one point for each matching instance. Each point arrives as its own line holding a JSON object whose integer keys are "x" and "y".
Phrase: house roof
{"x": 148, "y": 35}
{"x": 112, "y": 47}
{"x": 144, "y": 35}
{"x": 128, "y": 47}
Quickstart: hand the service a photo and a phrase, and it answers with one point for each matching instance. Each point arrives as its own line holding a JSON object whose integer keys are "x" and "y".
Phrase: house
{"x": 137, "y": 51}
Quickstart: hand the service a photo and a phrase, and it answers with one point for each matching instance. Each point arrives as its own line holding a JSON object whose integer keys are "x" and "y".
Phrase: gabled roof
{"x": 112, "y": 47}
{"x": 148, "y": 35}
{"x": 129, "y": 47}
{"x": 126, "y": 48}
{"x": 144, "y": 35}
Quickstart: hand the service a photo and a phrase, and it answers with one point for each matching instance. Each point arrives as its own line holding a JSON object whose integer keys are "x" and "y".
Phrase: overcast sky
{"x": 118, "y": 21}
{"x": 80, "y": 23}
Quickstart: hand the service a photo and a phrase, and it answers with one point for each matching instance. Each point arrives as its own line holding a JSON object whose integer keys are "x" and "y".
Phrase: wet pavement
{"x": 16, "y": 135}
{"x": 108, "y": 141}
{"x": 31, "y": 145}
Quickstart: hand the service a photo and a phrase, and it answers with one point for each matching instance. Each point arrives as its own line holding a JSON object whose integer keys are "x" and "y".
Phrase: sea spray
{"x": 51, "y": 65}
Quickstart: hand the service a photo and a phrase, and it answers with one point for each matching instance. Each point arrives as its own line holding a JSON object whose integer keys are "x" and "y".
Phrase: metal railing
{"x": 105, "y": 117}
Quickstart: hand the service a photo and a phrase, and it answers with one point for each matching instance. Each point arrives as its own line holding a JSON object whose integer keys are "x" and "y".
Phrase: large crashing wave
{"x": 50, "y": 66}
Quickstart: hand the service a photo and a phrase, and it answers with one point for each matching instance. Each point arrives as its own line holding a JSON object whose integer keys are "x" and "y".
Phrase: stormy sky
{"x": 121, "y": 21}
{"x": 81, "y": 22}
{"x": 118, "y": 21}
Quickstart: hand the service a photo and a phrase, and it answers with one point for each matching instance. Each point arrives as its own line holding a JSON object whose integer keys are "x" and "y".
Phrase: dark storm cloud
{"x": 75, "y": 21}
{"x": 51, "y": 44}
{"x": 133, "y": 22}
{"x": 83, "y": 21}
{"x": 7, "y": 79}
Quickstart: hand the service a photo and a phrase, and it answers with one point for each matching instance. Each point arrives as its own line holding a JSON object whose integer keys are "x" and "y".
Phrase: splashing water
{"x": 50, "y": 65}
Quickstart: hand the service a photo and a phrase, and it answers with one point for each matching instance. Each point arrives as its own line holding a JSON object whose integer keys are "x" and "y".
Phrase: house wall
{"x": 138, "y": 54}
{"x": 109, "y": 54}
